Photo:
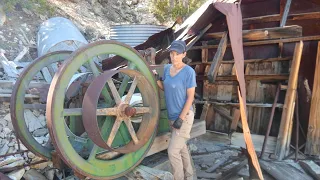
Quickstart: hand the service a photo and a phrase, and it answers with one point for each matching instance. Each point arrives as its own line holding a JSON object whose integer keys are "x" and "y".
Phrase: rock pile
{"x": 36, "y": 123}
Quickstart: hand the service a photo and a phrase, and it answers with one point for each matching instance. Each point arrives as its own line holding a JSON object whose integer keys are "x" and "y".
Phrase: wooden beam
{"x": 288, "y": 109}
{"x": 144, "y": 172}
{"x": 33, "y": 84}
{"x": 218, "y": 58}
{"x": 226, "y": 115}
{"x": 233, "y": 171}
{"x": 285, "y": 14}
{"x": 258, "y": 105}
{"x": 265, "y": 33}
{"x": 195, "y": 39}
{"x": 258, "y": 43}
{"x": 254, "y": 77}
{"x": 313, "y": 137}
{"x": 315, "y": 1}
{"x": 204, "y": 53}
{"x": 235, "y": 120}
{"x": 247, "y": 61}
{"x": 282, "y": 171}
{"x": 311, "y": 168}
{"x": 277, "y": 17}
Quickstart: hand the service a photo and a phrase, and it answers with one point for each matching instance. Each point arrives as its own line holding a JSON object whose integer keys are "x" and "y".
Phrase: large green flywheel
{"x": 110, "y": 111}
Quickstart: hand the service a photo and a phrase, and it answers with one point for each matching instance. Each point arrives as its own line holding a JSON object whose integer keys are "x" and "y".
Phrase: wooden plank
{"x": 195, "y": 39}
{"x": 233, "y": 171}
{"x": 246, "y": 61}
{"x": 161, "y": 142}
{"x": 288, "y": 108}
{"x": 281, "y": 171}
{"x": 10, "y": 83}
{"x": 260, "y": 105}
{"x": 259, "y": 77}
{"x": 238, "y": 140}
{"x": 285, "y": 14}
{"x": 257, "y": 43}
{"x": 313, "y": 137}
{"x": 204, "y": 112}
{"x": 311, "y": 168}
{"x": 144, "y": 172}
{"x": 235, "y": 120}
{"x": 21, "y": 54}
{"x": 226, "y": 115}
{"x": 204, "y": 52}
{"x": 218, "y": 58}
{"x": 277, "y": 17}
{"x": 224, "y": 92}
{"x": 9, "y": 66}
{"x": 265, "y": 33}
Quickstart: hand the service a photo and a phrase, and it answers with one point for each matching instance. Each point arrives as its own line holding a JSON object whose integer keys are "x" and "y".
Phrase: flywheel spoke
{"x": 100, "y": 112}
{"x": 132, "y": 132}
{"x": 131, "y": 90}
{"x": 142, "y": 110}
{"x": 126, "y": 80}
{"x": 114, "y": 91}
{"x": 113, "y": 132}
{"x": 96, "y": 73}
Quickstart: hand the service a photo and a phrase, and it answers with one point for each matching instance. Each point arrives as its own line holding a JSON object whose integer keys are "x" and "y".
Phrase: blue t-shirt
{"x": 175, "y": 89}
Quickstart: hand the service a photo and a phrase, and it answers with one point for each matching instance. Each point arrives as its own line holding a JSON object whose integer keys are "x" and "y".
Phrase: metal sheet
{"x": 234, "y": 20}
{"x": 57, "y": 34}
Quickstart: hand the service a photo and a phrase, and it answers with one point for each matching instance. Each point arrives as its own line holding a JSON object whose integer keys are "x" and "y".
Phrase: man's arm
{"x": 188, "y": 104}
{"x": 160, "y": 85}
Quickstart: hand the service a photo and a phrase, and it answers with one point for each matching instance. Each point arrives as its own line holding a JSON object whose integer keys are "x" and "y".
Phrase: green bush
{"x": 37, "y": 6}
{"x": 163, "y": 12}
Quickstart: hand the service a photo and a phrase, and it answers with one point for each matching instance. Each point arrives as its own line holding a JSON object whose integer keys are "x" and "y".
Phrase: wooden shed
{"x": 281, "y": 56}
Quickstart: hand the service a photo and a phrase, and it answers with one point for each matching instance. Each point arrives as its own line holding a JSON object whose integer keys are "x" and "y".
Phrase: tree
{"x": 170, "y": 10}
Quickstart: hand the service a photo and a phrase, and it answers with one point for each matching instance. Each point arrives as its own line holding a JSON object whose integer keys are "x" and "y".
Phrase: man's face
{"x": 176, "y": 57}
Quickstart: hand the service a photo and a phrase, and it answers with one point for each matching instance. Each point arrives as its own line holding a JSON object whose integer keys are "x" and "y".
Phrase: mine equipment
{"x": 101, "y": 124}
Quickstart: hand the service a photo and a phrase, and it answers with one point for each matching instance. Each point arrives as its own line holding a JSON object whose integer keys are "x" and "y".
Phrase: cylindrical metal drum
{"x": 134, "y": 34}
{"x": 57, "y": 34}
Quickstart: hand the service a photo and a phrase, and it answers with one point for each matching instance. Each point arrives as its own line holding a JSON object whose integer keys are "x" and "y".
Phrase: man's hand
{"x": 177, "y": 123}
{"x": 156, "y": 75}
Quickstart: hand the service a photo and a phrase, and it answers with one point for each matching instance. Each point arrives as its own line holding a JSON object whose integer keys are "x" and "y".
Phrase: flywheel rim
{"x": 106, "y": 169}
{"x": 17, "y": 101}
{"x": 148, "y": 123}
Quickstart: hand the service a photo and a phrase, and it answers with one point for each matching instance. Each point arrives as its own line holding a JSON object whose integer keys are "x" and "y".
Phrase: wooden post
{"x": 313, "y": 137}
{"x": 204, "y": 52}
{"x": 235, "y": 120}
{"x": 285, "y": 14}
{"x": 218, "y": 58}
{"x": 288, "y": 107}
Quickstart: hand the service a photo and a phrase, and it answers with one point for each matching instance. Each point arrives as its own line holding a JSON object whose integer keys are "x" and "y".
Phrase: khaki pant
{"x": 178, "y": 152}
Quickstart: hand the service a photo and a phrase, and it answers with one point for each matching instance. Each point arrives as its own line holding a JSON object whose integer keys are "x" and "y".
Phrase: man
{"x": 179, "y": 83}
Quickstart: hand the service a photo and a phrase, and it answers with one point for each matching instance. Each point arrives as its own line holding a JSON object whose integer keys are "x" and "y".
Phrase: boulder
{"x": 16, "y": 175}
{"x": 40, "y": 132}
{"x": 9, "y": 122}
{"x": 33, "y": 174}
{"x": 4, "y": 149}
{"x": 9, "y": 160}
{"x": 33, "y": 123}
{"x": 14, "y": 164}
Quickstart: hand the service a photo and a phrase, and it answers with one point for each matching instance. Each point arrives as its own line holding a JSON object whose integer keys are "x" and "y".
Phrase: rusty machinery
{"x": 95, "y": 126}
